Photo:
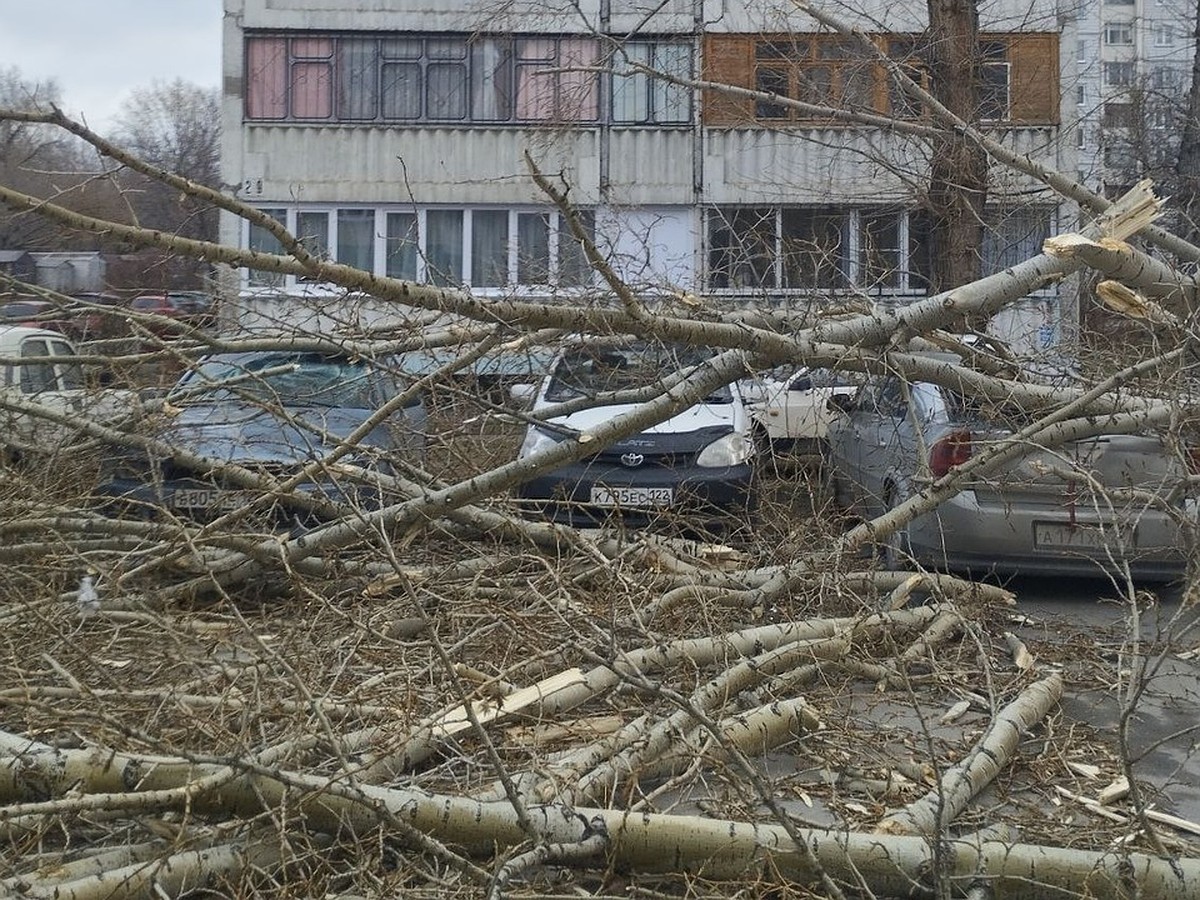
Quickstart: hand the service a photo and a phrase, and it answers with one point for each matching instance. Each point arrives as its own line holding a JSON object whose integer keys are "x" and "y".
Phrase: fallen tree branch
{"x": 933, "y": 812}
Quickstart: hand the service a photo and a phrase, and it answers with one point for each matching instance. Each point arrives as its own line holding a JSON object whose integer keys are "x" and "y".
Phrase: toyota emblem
{"x": 632, "y": 460}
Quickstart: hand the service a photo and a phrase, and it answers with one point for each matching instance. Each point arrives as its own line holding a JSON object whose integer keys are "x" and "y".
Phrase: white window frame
{"x": 1118, "y": 33}
{"x": 380, "y": 246}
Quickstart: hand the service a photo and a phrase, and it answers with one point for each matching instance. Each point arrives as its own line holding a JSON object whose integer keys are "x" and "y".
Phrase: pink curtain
{"x": 535, "y": 93}
{"x": 578, "y": 99}
{"x": 266, "y": 78}
{"x": 312, "y": 78}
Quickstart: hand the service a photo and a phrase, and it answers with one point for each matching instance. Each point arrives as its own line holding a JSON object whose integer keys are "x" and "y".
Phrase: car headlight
{"x": 536, "y": 441}
{"x": 730, "y": 450}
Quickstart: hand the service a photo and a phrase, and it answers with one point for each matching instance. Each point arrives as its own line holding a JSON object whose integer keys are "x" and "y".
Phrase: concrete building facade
{"x": 392, "y": 134}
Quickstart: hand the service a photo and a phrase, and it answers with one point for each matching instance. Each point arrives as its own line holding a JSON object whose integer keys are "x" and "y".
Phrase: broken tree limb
{"x": 703, "y": 652}
{"x": 1125, "y": 300}
{"x": 1126, "y": 264}
{"x": 960, "y": 784}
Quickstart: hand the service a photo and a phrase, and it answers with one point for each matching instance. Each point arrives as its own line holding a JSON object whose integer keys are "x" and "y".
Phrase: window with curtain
{"x": 574, "y": 270}
{"x": 640, "y": 98}
{"x": 491, "y": 79}
{"x": 356, "y": 238}
{"x": 489, "y": 247}
{"x": 444, "y": 246}
{"x": 400, "y": 240}
{"x": 433, "y": 78}
{"x": 533, "y": 248}
{"x": 266, "y": 78}
{"x": 312, "y": 78}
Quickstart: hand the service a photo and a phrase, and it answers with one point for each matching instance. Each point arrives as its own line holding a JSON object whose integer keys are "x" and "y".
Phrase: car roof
{"x": 21, "y": 332}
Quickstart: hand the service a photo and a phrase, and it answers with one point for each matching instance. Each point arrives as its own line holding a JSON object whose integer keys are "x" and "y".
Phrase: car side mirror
{"x": 840, "y": 403}
{"x": 522, "y": 393}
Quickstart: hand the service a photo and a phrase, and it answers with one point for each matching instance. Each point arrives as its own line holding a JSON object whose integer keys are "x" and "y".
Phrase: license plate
{"x": 1060, "y": 536}
{"x": 210, "y": 499}
{"x": 603, "y": 495}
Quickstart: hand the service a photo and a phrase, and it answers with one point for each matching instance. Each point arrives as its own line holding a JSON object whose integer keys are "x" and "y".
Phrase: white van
{"x": 38, "y": 368}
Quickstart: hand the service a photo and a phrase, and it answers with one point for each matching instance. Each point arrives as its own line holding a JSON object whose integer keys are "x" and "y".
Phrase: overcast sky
{"x": 99, "y": 50}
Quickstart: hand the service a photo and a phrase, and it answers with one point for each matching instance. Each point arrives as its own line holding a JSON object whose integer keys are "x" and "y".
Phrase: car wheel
{"x": 896, "y": 552}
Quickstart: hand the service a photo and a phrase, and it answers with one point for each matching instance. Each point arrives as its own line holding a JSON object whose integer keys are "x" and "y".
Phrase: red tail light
{"x": 952, "y": 450}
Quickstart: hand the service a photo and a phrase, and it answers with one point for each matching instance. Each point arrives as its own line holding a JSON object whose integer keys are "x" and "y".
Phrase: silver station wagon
{"x": 1088, "y": 507}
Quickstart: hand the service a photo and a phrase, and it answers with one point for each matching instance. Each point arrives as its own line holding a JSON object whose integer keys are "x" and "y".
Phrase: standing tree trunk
{"x": 958, "y": 177}
{"x": 1188, "y": 166}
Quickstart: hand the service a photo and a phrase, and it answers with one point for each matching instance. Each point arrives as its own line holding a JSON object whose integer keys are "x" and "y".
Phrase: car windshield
{"x": 588, "y": 370}
{"x": 279, "y": 379}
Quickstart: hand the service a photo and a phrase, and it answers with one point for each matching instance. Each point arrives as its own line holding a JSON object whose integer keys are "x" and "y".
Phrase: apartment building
{"x": 393, "y": 134}
{"x": 1133, "y": 72}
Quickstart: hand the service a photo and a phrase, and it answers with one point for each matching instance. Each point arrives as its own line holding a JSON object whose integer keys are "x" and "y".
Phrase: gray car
{"x": 271, "y": 412}
{"x": 1086, "y": 508}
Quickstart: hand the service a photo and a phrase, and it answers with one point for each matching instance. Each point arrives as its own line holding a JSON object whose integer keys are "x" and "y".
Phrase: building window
{"x": 821, "y": 70}
{"x": 485, "y": 248}
{"x": 1118, "y": 34}
{"x": 1164, "y": 34}
{"x": 814, "y": 247}
{"x": 489, "y": 248}
{"x": 1164, "y": 78}
{"x": 994, "y": 72}
{"x": 574, "y": 270}
{"x": 1011, "y": 236}
{"x": 1119, "y": 115}
{"x": 1081, "y": 138}
{"x": 1080, "y": 95}
{"x": 356, "y": 238}
{"x": 262, "y": 241}
{"x": 533, "y": 248}
{"x": 401, "y": 246}
{"x": 828, "y": 248}
{"x": 640, "y": 99}
{"x": 444, "y": 246}
{"x": 1120, "y": 74}
{"x": 419, "y": 78}
{"x": 742, "y": 247}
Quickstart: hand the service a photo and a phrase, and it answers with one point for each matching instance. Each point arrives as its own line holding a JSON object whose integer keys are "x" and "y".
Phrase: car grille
{"x": 650, "y": 460}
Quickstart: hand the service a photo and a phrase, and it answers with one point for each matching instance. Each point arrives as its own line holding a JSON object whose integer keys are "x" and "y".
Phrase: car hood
{"x": 234, "y": 432}
{"x": 688, "y": 430}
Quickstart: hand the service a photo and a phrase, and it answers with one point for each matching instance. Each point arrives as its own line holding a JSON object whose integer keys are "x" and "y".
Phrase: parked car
{"x": 1082, "y": 508}
{"x": 272, "y": 412}
{"x": 790, "y": 408}
{"x": 96, "y": 316}
{"x": 168, "y": 316}
{"x": 33, "y": 314}
{"x": 196, "y": 307}
{"x": 698, "y": 462}
{"x": 39, "y": 366}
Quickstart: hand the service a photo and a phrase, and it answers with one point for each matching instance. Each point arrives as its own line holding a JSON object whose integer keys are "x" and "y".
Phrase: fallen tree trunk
{"x": 887, "y": 865}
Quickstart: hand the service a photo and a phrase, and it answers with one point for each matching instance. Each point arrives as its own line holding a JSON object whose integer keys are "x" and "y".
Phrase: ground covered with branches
{"x": 834, "y": 707}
